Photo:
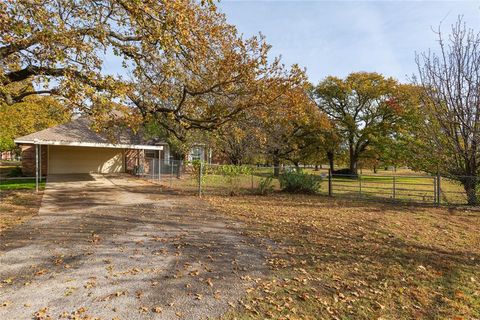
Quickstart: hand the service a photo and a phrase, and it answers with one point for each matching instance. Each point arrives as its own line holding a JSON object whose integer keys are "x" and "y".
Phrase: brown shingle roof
{"x": 79, "y": 131}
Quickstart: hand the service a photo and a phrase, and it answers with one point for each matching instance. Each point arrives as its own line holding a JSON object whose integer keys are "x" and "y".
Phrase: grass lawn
{"x": 340, "y": 259}
{"x": 20, "y": 184}
{"x": 18, "y": 201}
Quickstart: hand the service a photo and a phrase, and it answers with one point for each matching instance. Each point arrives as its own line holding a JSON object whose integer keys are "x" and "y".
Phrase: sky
{"x": 340, "y": 37}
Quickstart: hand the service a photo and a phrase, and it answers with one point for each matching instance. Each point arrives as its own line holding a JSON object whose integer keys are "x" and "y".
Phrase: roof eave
{"x": 91, "y": 144}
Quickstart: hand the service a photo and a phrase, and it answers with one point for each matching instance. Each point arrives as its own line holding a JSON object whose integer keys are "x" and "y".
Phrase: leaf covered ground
{"x": 339, "y": 259}
{"x": 17, "y": 206}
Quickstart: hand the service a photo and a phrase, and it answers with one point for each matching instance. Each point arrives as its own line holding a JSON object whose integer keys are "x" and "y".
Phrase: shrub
{"x": 299, "y": 182}
{"x": 265, "y": 186}
{"x": 15, "y": 172}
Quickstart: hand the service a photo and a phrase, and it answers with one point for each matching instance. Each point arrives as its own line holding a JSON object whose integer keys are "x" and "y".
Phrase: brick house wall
{"x": 133, "y": 158}
{"x": 28, "y": 159}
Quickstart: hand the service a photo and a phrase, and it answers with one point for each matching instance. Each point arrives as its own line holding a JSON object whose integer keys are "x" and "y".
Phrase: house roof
{"x": 78, "y": 132}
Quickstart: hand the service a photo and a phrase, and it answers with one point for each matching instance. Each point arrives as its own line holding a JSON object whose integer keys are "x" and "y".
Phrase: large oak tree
{"x": 188, "y": 69}
{"x": 364, "y": 107}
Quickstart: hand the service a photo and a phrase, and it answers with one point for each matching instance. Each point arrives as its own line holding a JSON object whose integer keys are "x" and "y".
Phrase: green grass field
{"x": 20, "y": 184}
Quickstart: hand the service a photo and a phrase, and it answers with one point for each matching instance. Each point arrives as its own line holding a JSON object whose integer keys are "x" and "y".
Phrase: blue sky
{"x": 339, "y": 37}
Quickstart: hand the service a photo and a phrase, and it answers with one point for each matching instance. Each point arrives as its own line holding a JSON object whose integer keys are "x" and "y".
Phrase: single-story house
{"x": 74, "y": 147}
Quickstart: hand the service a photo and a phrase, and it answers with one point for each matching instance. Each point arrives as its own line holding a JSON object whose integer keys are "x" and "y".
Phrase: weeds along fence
{"x": 214, "y": 179}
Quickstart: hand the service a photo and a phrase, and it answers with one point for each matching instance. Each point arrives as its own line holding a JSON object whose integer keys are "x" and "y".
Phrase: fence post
{"x": 40, "y": 162}
{"x": 330, "y": 183}
{"x": 360, "y": 184}
{"x": 152, "y": 169}
{"x": 394, "y": 188}
{"x": 200, "y": 169}
{"x": 438, "y": 189}
{"x": 159, "y": 168}
{"x": 171, "y": 172}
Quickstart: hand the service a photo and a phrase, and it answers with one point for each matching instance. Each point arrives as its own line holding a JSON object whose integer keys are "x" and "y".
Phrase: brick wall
{"x": 28, "y": 159}
{"x": 132, "y": 159}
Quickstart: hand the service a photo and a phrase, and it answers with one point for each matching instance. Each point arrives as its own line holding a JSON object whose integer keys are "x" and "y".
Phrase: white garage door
{"x": 84, "y": 160}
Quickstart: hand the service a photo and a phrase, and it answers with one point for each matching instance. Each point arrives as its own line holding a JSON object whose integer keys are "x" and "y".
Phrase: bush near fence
{"x": 297, "y": 181}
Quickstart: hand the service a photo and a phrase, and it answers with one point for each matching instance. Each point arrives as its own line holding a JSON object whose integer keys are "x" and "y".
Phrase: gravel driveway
{"x": 116, "y": 247}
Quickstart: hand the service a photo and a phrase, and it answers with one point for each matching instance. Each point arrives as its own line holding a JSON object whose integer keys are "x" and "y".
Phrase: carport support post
{"x": 40, "y": 162}
{"x": 36, "y": 167}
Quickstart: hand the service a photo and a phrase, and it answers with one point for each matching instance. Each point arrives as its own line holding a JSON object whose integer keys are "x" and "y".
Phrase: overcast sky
{"x": 339, "y": 37}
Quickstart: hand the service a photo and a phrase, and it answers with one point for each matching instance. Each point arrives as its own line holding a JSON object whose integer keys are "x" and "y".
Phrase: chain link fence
{"x": 215, "y": 179}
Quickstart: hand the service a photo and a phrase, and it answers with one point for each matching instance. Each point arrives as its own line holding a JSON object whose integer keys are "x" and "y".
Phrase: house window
{"x": 196, "y": 154}
{"x": 151, "y": 154}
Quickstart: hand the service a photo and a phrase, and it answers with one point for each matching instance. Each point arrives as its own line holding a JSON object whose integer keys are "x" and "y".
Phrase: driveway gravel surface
{"x": 117, "y": 247}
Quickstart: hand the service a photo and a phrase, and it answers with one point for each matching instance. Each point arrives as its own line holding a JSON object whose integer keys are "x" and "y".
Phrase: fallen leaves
{"x": 335, "y": 259}
{"x": 5, "y": 303}
{"x": 91, "y": 283}
{"x": 42, "y": 314}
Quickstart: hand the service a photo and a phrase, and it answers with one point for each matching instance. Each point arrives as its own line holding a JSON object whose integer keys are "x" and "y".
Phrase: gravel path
{"x": 115, "y": 247}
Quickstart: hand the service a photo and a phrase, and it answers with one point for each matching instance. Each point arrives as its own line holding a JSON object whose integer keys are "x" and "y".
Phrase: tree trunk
{"x": 316, "y": 167}
{"x": 470, "y": 186}
{"x": 331, "y": 156}
{"x": 180, "y": 162}
{"x": 276, "y": 164}
{"x": 353, "y": 164}
{"x": 353, "y": 159}
{"x": 179, "y": 168}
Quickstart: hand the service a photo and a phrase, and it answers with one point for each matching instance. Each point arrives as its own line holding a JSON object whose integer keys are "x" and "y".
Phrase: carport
{"x": 74, "y": 148}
